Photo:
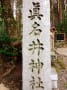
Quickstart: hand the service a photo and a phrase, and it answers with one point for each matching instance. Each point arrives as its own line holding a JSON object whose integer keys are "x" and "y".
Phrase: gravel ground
{"x": 62, "y": 75}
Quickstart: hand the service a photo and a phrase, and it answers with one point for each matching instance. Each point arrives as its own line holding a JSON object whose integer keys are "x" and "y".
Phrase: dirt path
{"x": 2, "y": 87}
{"x": 62, "y": 82}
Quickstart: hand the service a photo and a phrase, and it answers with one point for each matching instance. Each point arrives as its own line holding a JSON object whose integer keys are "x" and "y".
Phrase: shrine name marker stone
{"x": 36, "y": 45}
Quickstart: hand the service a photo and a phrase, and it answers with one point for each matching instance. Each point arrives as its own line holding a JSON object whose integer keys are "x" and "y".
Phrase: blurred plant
{"x": 65, "y": 22}
{"x": 59, "y": 27}
{"x": 65, "y": 85}
{"x": 6, "y": 48}
{"x": 62, "y": 26}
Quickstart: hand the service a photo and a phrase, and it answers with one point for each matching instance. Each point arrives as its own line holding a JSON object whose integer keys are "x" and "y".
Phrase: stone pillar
{"x": 36, "y": 45}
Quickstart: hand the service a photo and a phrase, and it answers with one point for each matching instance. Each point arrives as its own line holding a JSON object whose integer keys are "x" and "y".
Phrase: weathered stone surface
{"x": 43, "y": 38}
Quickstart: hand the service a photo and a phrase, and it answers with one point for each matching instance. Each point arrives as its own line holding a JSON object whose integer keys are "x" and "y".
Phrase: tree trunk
{"x": 60, "y": 10}
{"x": 52, "y": 13}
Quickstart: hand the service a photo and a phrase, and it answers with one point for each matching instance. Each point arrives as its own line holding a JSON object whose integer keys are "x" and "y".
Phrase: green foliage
{"x": 59, "y": 27}
{"x": 62, "y": 26}
{"x": 5, "y": 40}
{"x": 61, "y": 63}
{"x": 5, "y": 47}
{"x": 65, "y": 22}
{"x": 65, "y": 85}
{"x": 8, "y": 51}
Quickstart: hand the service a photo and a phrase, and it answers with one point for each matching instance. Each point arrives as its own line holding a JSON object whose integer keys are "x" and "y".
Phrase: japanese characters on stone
{"x": 36, "y": 46}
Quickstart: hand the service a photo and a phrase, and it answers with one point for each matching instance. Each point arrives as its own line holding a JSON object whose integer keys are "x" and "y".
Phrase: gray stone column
{"x": 36, "y": 45}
